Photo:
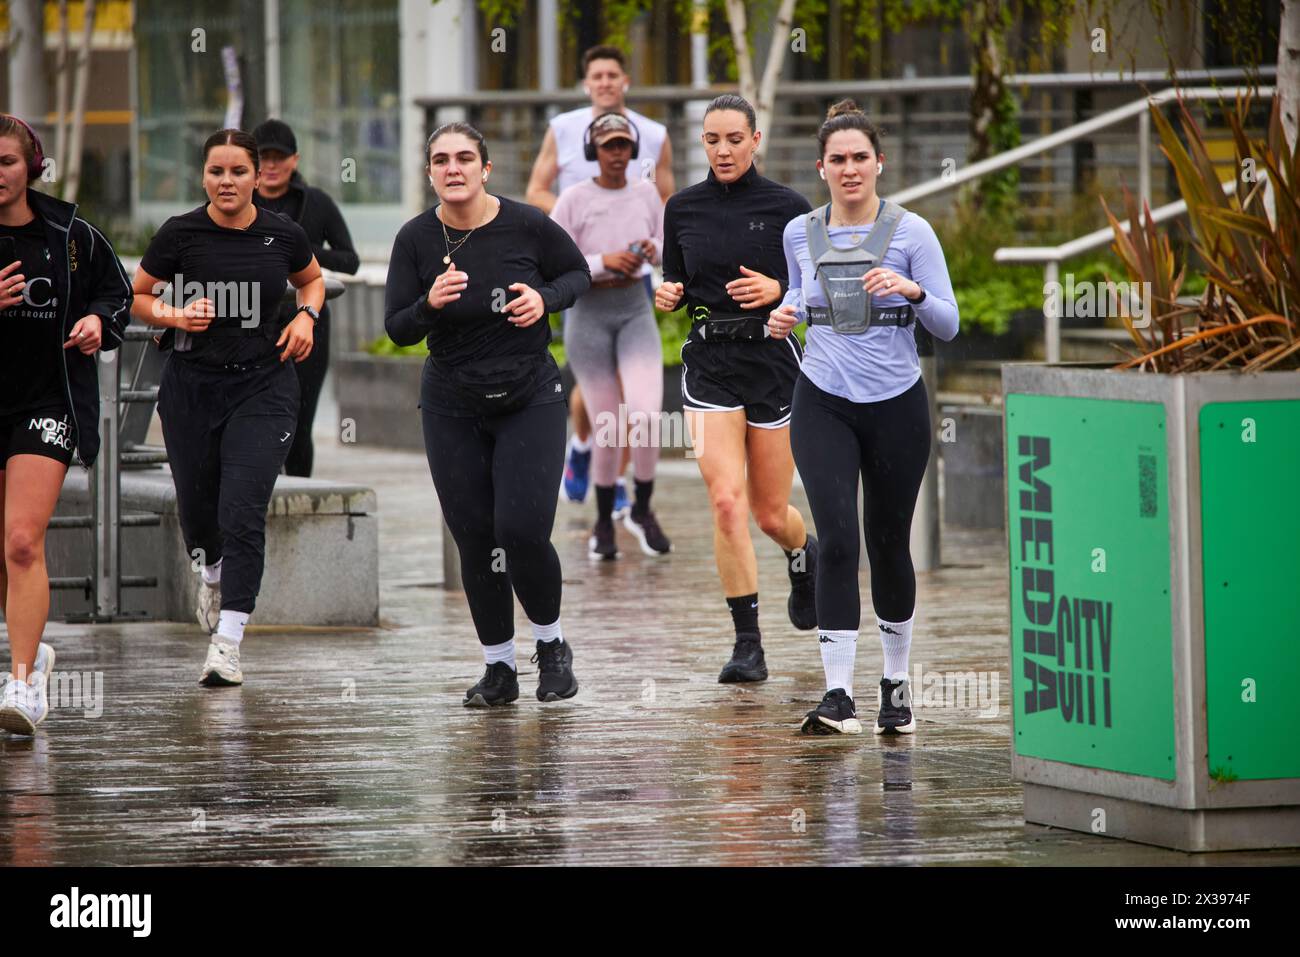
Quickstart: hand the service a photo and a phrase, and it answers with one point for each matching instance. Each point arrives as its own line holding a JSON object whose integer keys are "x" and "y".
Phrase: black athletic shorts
{"x": 42, "y": 430}
{"x": 756, "y": 375}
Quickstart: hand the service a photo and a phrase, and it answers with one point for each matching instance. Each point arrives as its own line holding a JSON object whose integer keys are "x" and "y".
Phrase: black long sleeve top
{"x": 520, "y": 245}
{"x": 712, "y": 228}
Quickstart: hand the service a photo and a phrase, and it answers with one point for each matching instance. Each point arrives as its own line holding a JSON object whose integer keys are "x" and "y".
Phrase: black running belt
{"x": 716, "y": 325}
{"x": 898, "y": 316}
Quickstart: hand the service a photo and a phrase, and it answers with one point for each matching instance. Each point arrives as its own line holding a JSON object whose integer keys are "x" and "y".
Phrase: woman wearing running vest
{"x": 228, "y": 399}
{"x": 723, "y": 260}
{"x": 860, "y": 406}
{"x": 63, "y": 297}
{"x": 475, "y": 277}
{"x": 610, "y": 333}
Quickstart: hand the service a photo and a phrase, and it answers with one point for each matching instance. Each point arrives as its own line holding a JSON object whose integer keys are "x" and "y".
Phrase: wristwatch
{"x": 315, "y": 316}
{"x": 919, "y": 299}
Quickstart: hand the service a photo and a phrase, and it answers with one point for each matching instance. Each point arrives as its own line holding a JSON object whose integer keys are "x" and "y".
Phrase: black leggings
{"x": 496, "y": 478}
{"x": 888, "y": 443}
{"x": 311, "y": 376}
{"x": 227, "y": 434}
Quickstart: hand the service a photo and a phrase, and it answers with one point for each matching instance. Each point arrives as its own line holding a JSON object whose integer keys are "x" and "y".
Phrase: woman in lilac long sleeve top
{"x": 860, "y": 409}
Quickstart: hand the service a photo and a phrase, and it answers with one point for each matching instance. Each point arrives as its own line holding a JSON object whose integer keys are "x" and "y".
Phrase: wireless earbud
{"x": 485, "y": 177}
{"x": 879, "y": 169}
{"x": 821, "y": 173}
{"x": 624, "y": 87}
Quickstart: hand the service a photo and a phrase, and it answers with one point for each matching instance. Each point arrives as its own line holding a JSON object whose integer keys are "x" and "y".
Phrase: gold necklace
{"x": 446, "y": 260}
{"x": 853, "y": 236}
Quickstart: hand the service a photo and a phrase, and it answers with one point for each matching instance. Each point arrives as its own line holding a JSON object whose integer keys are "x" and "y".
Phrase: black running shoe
{"x": 555, "y": 679}
{"x": 601, "y": 544}
{"x": 802, "y": 605}
{"x": 835, "y": 715}
{"x": 747, "y": 662}
{"x": 648, "y": 533}
{"x": 499, "y": 685}
{"x": 895, "y": 708}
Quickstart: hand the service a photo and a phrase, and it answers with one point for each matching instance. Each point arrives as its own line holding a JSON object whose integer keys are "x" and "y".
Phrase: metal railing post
{"x": 1144, "y": 161}
{"x": 106, "y": 500}
{"x": 1052, "y": 311}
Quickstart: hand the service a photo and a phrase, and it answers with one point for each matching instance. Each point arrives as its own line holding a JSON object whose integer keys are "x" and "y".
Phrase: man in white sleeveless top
{"x": 562, "y": 163}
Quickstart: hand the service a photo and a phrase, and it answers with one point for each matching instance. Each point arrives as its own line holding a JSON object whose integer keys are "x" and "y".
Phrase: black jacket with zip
{"x": 90, "y": 281}
{"x": 316, "y": 212}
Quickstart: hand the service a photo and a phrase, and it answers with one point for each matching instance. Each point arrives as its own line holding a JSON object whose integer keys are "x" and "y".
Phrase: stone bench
{"x": 322, "y": 556}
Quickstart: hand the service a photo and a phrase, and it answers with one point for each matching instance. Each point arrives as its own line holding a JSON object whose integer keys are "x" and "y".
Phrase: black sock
{"x": 744, "y": 614}
{"x": 604, "y": 501}
{"x": 644, "y": 490}
{"x": 789, "y": 555}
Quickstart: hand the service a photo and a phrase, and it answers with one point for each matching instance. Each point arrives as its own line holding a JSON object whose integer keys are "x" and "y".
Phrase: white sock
{"x": 549, "y": 632}
{"x": 896, "y": 643}
{"x": 579, "y": 445}
{"x": 839, "y": 648}
{"x": 502, "y": 652}
{"x": 212, "y": 573}
{"x": 231, "y": 625}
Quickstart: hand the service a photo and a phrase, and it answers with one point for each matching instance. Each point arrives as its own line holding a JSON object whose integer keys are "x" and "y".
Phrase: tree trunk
{"x": 744, "y": 57}
{"x": 61, "y": 91}
{"x": 766, "y": 103}
{"x": 73, "y": 181}
{"x": 1288, "y": 68}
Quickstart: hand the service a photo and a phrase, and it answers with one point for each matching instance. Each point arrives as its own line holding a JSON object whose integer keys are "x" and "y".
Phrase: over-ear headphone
{"x": 37, "y": 165}
{"x": 589, "y": 148}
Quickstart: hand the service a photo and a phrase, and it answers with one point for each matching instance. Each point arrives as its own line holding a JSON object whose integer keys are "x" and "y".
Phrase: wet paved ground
{"x": 353, "y": 747}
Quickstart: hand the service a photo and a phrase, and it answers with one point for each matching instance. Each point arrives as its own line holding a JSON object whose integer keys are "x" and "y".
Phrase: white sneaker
{"x": 209, "y": 611}
{"x": 44, "y": 661}
{"x": 222, "y": 665}
{"x": 24, "y": 704}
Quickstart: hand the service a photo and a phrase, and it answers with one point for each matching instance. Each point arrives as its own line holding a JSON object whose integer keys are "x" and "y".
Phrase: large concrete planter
{"x": 379, "y": 399}
{"x": 1154, "y": 551}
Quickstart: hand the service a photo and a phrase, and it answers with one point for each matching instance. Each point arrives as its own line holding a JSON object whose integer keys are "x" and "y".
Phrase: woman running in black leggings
{"x": 228, "y": 399}
{"x": 475, "y": 276}
{"x": 860, "y": 406}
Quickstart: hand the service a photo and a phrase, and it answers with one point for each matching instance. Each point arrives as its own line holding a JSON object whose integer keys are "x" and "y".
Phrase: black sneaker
{"x": 648, "y": 533}
{"x": 601, "y": 544}
{"x": 499, "y": 685}
{"x": 895, "y": 708}
{"x": 555, "y": 679}
{"x": 835, "y": 715}
{"x": 747, "y": 662}
{"x": 802, "y": 605}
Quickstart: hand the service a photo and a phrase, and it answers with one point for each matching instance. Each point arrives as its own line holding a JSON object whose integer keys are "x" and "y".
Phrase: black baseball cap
{"x": 275, "y": 135}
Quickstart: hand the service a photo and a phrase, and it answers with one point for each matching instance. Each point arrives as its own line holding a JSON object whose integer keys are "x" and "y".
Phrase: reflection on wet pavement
{"x": 352, "y": 747}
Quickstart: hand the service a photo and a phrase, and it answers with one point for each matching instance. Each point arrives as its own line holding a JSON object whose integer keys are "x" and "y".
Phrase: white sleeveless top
{"x": 569, "y": 129}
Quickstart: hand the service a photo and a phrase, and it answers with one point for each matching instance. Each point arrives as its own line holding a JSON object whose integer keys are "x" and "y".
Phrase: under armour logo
{"x": 753, "y": 225}
{"x": 889, "y": 631}
{"x": 268, "y": 240}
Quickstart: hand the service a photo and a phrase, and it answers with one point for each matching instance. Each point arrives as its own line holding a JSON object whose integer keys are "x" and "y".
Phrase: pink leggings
{"x": 610, "y": 334}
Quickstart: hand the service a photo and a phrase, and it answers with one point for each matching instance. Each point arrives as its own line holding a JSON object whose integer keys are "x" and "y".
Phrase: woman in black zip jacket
{"x": 63, "y": 297}
{"x": 475, "y": 277}
{"x": 282, "y": 190}
{"x": 228, "y": 399}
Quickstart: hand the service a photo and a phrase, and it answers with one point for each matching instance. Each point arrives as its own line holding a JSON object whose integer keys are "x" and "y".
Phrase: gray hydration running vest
{"x": 840, "y": 270}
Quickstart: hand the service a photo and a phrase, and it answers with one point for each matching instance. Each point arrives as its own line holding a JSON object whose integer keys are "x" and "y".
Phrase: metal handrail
{"x": 836, "y": 88}
{"x": 1139, "y": 108}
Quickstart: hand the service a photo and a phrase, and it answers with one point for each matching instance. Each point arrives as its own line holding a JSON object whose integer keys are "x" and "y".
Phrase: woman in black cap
{"x": 475, "y": 277}
{"x": 281, "y": 189}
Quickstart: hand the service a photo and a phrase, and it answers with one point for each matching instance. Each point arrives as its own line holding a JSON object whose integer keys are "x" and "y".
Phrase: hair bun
{"x": 843, "y": 106}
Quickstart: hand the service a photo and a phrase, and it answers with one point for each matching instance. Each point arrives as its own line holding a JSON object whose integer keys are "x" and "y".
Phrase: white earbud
{"x": 624, "y": 87}
{"x": 485, "y": 177}
{"x": 586, "y": 90}
{"x": 821, "y": 173}
{"x": 879, "y": 169}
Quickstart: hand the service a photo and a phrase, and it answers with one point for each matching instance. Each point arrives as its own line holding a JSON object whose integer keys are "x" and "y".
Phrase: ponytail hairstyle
{"x": 733, "y": 101}
{"x": 29, "y": 144}
{"x": 464, "y": 129}
{"x": 846, "y": 115}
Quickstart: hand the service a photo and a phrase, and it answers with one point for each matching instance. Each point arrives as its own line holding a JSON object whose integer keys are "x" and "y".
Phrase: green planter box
{"x": 1154, "y": 553}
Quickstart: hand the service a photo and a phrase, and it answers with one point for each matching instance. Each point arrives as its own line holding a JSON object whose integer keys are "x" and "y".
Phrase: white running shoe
{"x": 44, "y": 661}
{"x": 209, "y": 611}
{"x": 222, "y": 665}
{"x": 24, "y": 704}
